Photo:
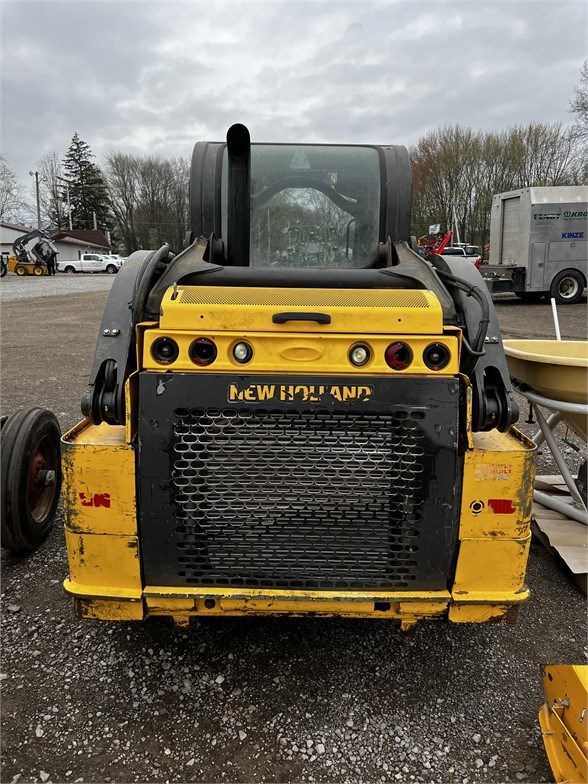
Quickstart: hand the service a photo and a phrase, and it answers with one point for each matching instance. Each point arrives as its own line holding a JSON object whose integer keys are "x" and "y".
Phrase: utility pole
{"x": 95, "y": 221}
{"x": 36, "y": 176}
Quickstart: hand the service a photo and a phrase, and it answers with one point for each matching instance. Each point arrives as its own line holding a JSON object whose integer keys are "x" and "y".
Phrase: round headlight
{"x": 359, "y": 355}
{"x": 165, "y": 351}
{"x": 436, "y": 356}
{"x": 398, "y": 355}
{"x": 203, "y": 351}
{"x": 242, "y": 352}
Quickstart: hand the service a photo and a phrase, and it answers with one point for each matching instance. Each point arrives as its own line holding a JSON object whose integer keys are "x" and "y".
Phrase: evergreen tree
{"x": 87, "y": 188}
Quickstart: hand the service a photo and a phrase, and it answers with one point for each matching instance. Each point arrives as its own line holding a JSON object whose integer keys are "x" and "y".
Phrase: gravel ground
{"x": 281, "y": 700}
{"x": 13, "y": 288}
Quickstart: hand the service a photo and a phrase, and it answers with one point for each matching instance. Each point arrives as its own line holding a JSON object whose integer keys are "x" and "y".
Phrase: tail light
{"x": 398, "y": 355}
{"x": 359, "y": 354}
{"x": 165, "y": 351}
{"x": 242, "y": 352}
{"x": 203, "y": 351}
{"x": 436, "y": 356}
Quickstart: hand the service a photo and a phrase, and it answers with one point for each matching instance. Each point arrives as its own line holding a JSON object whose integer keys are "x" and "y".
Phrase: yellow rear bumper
{"x": 104, "y": 554}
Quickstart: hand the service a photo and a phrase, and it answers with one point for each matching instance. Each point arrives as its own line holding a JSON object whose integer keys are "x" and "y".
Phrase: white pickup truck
{"x": 91, "y": 262}
{"x": 469, "y": 252}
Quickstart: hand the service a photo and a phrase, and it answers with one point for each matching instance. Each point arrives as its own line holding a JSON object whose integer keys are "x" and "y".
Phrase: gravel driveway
{"x": 13, "y": 288}
{"x": 256, "y": 699}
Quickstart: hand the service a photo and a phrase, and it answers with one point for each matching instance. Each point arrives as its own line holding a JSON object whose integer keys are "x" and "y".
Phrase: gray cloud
{"x": 156, "y": 77}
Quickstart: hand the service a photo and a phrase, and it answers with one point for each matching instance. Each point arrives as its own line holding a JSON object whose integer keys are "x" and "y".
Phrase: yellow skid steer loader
{"x": 298, "y": 414}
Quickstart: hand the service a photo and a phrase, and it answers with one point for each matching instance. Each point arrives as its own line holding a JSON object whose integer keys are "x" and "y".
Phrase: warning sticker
{"x": 491, "y": 472}
{"x": 300, "y": 161}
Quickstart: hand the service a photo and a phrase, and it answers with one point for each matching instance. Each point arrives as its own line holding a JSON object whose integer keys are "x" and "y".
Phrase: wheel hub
{"x": 41, "y": 480}
{"x": 568, "y": 287}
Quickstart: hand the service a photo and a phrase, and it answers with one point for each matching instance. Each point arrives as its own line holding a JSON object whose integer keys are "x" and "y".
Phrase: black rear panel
{"x": 298, "y": 482}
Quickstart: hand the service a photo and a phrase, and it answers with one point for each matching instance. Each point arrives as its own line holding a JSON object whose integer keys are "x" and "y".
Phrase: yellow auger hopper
{"x": 552, "y": 375}
{"x": 555, "y": 369}
{"x": 564, "y": 721}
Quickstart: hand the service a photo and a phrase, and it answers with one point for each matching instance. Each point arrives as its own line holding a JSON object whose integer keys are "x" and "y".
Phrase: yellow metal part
{"x": 104, "y": 561}
{"x": 109, "y": 609}
{"x": 407, "y": 608}
{"x": 499, "y": 468}
{"x": 300, "y": 353}
{"x": 564, "y": 721}
{"x": 99, "y": 488}
{"x": 232, "y": 309}
{"x": 100, "y": 513}
{"x": 494, "y": 530}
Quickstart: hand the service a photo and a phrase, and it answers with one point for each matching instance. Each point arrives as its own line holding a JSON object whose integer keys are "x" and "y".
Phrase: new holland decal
{"x": 290, "y": 393}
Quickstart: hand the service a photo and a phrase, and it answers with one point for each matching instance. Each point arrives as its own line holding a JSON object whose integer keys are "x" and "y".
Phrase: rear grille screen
{"x": 302, "y": 499}
{"x": 297, "y": 497}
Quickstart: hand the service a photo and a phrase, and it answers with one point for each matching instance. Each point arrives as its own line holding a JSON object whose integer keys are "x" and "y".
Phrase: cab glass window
{"x": 312, "y": 206}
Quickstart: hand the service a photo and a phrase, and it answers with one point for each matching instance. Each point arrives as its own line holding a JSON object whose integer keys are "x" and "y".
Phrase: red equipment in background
{"x": 434, "y": 243}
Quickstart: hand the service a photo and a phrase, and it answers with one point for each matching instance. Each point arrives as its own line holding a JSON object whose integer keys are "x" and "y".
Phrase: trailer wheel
{"x": 567, "y": 287}
{"x": 31, "y": 478}
{"x": 20, "y": 270}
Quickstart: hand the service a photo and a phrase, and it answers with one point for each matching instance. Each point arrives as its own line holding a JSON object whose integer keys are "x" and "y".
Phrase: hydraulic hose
{"x": 477, "y": 347}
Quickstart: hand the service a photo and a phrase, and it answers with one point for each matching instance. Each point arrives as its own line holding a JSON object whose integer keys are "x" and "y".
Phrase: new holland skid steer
{"x": 298, "y": 414}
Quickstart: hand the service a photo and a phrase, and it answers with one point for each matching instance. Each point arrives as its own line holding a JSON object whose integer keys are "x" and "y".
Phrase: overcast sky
{"x": 155, "y": 77}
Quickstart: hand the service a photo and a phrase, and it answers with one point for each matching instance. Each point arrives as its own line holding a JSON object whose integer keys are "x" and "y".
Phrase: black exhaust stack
{"x": 239, "y": 195}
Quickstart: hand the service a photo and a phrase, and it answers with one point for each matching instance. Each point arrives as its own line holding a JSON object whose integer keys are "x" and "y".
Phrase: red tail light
{"x": 203, "y": 351}
{"x": 398, "y": 355}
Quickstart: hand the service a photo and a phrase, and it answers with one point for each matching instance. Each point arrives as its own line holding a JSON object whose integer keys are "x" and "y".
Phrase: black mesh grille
{"x": 335, "y": 493}
{"x": 304, "y": 499}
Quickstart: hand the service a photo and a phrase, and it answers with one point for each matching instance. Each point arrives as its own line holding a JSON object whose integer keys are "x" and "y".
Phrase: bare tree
{"x": 457, "y": 171}
{"x": 149, "y": 199}
{"x": 52, "y": 191}
{"x": 543, "y": 154}
{"x": 579, "y": 103}
{"x": 121, "y": 180}
{"x": 13, "y": 202}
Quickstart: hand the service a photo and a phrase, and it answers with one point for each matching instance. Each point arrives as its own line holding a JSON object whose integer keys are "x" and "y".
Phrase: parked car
{"x": 462, "y": 250}
{"x": 91, "y": 262}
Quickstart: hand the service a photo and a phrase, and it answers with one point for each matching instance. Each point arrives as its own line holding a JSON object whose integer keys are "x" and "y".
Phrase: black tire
{"x": 70, "y": 270}
{"x": 530, "y": 297}
{"x": 3, "y": 270}
{"x": 111, "y": 269}
{"x": 567, "y": 287}
{"x": 31, "y": 449}
{"x": 20, "y": 270}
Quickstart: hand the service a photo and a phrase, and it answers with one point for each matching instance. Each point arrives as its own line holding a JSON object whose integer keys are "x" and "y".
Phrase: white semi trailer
{"x": 539, "y": 243}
